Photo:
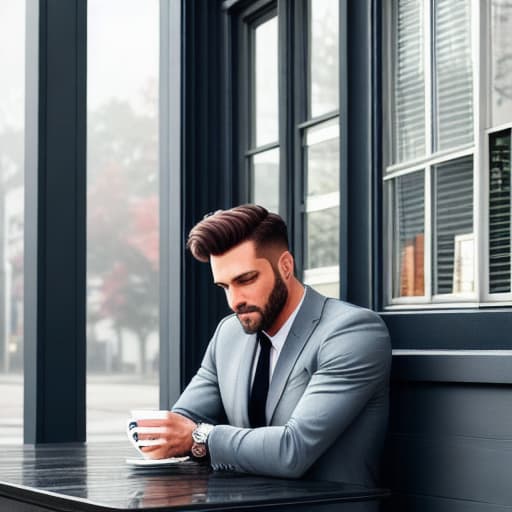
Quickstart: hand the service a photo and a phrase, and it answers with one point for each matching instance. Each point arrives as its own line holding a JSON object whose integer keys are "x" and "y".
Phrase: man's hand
{"x": 176, "y": 435}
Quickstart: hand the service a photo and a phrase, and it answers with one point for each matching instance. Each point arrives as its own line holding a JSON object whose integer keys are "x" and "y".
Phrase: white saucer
{"x": 153, "y": 463}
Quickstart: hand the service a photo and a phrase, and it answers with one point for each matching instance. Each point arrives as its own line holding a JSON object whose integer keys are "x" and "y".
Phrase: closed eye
{"x": 247, "y": 278}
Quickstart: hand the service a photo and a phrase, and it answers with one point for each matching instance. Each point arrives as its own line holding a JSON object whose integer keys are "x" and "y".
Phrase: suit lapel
{"x": 303, "y": 325}
{"x": 243, "y": 381}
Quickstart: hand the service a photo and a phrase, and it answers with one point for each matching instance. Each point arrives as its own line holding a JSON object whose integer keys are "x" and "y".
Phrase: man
{"x": 293, "y": 383}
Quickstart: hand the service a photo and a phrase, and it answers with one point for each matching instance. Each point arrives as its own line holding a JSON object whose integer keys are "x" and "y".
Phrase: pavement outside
{"x": 109, "y": 401}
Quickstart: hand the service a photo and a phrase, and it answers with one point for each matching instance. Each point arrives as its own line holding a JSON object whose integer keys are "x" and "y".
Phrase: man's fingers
{"x": 152, "y": 423}
{"x": 142, "y": 433}
{"x": 150, "y": 442}
{"x": 159, "y": 452}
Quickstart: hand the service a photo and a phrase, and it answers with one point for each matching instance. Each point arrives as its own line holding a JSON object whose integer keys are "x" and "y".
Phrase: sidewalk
{"x": 109, "y": 400}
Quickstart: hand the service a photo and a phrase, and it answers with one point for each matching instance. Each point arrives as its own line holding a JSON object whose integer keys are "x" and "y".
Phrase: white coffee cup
{"x": 133, "y": 429}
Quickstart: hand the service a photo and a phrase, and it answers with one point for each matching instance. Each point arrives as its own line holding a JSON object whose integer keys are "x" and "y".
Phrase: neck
{"x": 295, "y": 293}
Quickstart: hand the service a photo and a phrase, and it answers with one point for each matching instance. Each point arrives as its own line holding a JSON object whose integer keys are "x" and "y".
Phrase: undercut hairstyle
{"x": 219, "y": 232}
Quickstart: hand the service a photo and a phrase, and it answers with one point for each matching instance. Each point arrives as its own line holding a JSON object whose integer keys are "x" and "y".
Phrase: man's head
{"x": 218, "y": 233}
{"x": 248, "y": 251}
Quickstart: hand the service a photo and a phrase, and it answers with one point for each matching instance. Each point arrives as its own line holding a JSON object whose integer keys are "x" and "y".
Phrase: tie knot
{"x": 264, "y": 341}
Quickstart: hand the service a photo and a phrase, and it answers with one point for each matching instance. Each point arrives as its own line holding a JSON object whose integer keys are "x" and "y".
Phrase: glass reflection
{"x": 501, "y": 61}
{"x": 324, "y": 50}
{"x": 322, "y": 155}
{"x": 12, "y": 140}
{"x": 408, "y": 81}
{"x": 499, "y": 212}
{"x": 323, "y": 158}
{"x": 122, "y": 205}
{"x": 454, "y": 241}
{"x": 266, "y": 83}
{"x": 453, "y": 73}
{"x": 322, "y": 248}
{"x": 409, "y": 235}
{"x": 265, "y": 180}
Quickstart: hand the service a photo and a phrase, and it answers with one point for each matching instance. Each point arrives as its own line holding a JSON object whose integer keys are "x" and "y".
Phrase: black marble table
{"x": 95, "y": 477}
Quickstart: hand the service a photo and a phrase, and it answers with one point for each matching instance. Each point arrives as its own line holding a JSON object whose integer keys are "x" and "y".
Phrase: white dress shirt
{"x": 277, "y": 341}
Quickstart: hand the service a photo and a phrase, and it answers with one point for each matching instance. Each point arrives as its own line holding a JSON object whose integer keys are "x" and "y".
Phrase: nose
{"x": 235, "y": 299}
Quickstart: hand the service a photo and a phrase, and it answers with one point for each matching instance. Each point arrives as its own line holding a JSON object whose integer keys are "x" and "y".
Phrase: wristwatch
{"x": 199, "y": 438}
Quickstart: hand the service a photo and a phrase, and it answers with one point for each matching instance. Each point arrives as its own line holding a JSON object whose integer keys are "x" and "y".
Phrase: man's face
{"x": 254, "y": 289}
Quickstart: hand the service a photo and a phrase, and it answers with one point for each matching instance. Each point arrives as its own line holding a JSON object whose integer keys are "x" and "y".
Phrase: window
{"x": 447, "y": 173}
{"x": 12, "y": 141}
{"x": 263, "y": 153}
{"x": 321, "y": 150}
{"x": 499, "y": 212}
{"x": 294, "y": 142}
{"x": 122, "y": 213}
{"x": 499, "y": 141}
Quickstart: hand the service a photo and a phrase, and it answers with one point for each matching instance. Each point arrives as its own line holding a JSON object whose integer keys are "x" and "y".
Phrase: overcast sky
{"x": 12, "y": 63}
{"x": 123, "y": 45}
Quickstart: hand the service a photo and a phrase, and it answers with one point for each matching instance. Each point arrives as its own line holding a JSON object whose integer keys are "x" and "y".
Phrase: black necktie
{"x": 260, "y": 384}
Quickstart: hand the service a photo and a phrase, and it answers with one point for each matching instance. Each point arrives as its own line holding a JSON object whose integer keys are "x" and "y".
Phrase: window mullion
{"x": 428, "y": 57}
{"x": 429, "y": 132}
{"x": 429, "y": 233}
{"x": 480, "y": 182}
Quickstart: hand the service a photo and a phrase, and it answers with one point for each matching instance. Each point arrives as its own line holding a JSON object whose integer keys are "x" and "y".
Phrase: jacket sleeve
{"x": 201, "y": 400}
{"x": 353, "y": 364}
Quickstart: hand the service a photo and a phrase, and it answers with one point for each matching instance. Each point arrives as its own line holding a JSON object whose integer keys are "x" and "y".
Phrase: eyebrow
{"x": 249, "y": 273}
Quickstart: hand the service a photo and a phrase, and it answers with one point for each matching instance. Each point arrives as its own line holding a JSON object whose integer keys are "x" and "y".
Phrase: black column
{"x": 362, "y": 157}
{"x": 55, "y": 222}
{"x": 207, "y": 174}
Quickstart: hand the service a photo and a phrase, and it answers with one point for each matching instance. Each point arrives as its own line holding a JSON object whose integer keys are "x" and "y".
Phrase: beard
{"x": 270, "y": 311}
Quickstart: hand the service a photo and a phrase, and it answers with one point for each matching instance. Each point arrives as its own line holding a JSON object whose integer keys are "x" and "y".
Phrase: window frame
{"x": 293, "y": 106}
{"x": 447, "y": 326}
{"x": 479, "y": 149}
{"x": 304, "y": 122}
{"x": 245, "y": 19}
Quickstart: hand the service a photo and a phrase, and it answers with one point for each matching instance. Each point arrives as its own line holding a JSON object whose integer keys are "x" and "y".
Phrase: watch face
{"x": 198, "y": 450}
{"x": 198, "y": 436}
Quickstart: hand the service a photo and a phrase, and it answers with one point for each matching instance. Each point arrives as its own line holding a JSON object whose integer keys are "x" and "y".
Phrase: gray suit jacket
{"x": 327, "y": 404}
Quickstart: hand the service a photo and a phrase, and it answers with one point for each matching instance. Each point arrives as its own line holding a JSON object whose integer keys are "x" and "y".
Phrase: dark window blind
{"x": 453, "y": 200}
{"x": 499, "y": 212}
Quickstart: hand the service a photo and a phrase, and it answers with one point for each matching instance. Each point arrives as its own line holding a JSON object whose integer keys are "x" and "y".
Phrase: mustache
{"x": 247, "y": 309}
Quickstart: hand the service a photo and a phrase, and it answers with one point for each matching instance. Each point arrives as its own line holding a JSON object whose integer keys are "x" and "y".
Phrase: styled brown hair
{"x": 221, "y": 231}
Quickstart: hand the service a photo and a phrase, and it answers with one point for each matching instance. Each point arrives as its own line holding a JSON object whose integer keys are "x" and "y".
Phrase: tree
{"x": 123, "y": 224}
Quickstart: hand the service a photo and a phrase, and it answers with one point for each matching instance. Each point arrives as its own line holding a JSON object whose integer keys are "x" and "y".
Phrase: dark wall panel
{"x": 450, "y": 410}
{"x": 449, "y": 446}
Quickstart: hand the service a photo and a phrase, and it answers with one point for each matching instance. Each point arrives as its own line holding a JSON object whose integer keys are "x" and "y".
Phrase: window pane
{"x": 325, "y": 280}
{"x": 453, "y": 74}
{"x": 322, "y": 232}
{"x": 322, "y": 191}
{"x": 12, "y": 140}
{"x": 409, "y": 235}
{"x": 454, "y": 240}
{"x": 323, "y": 158}
{"x": 266, "y": 83}
{"x": 499, "y": 213}
{"x": 324, "y": 51}
{"x": 501, "y": 60}
{"x": 409, "y": 81}
{"x": 122, "y": 204}
{"x": 265, "y": 180}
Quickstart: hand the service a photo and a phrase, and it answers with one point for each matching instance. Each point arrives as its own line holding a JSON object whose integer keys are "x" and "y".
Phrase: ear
{"x": 286, "y": 265}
